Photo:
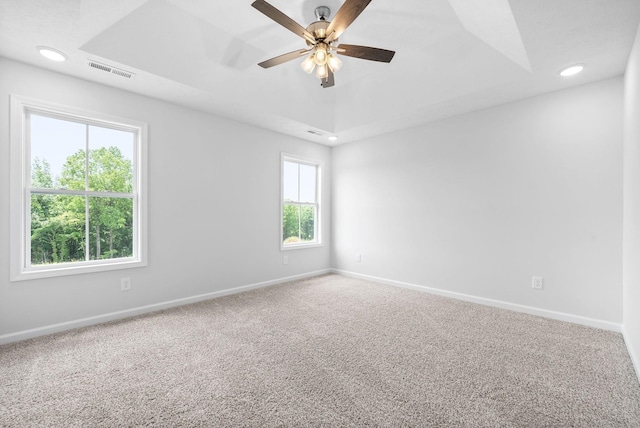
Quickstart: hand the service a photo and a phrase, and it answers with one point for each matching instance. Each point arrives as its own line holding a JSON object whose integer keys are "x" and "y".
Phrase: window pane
{"x": 290, "y": 223}
{"x": 57, "y": 229}
{"x": 290, "y": 181}
{"x": 57, "y": 153}
{"x": 307, "y": 224}
{"x": 110, "y": 228}
{"x": 110, "y": 160}
{"x": 307, "y": 183}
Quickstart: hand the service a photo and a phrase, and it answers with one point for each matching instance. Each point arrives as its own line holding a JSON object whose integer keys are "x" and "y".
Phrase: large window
{"x": 300, "y": 203}
{"x": 77, "y": 202}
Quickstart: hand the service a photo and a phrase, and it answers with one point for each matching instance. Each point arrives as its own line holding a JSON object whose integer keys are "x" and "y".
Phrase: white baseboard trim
{"x": 576, "y": 319}
{"x": 633, "y": 354}
{"x": 112, "y": 316}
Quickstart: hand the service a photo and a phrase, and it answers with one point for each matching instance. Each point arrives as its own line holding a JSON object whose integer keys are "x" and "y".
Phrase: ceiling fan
{"x": 322, "y": 40}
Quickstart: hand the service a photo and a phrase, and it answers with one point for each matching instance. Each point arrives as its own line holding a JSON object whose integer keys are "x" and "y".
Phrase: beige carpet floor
{"x": 325, "y": 351}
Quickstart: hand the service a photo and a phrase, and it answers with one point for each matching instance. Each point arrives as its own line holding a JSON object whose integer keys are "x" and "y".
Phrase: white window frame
{"x": 318, "y": 223}
{"x": 20, "y": 158}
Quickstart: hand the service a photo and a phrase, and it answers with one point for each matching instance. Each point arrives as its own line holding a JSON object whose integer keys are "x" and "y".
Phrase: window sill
{"x": 300, "y": 246}
{"x": 76, "y": 269}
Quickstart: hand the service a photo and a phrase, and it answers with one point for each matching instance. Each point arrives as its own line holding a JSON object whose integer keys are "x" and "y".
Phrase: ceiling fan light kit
{"x": 322, "y": 40}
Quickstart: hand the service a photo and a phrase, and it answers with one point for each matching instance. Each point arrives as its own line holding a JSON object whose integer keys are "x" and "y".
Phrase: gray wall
{"x": 631, "y": 222}
{"x": 214, "y": 189}
{"x": 478, "y": 204}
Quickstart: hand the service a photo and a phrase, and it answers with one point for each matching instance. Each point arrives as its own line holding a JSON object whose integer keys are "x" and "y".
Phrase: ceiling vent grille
{"x": 311, "y": 131}
{"x": 109, "y": 69}
{"x": 122, "y": 73}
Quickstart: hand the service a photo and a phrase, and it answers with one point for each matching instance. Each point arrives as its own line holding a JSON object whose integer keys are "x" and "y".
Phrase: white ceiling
{"x": 452, "y": 56}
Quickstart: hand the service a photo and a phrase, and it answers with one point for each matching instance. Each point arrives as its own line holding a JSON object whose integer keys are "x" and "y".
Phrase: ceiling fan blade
{"x": 329, "y": 81}
{"x": 347, "y": 13}
{"x": 283, "y": 58}
{"x": 365, "y": 52}
{"x": 282, "y": 19}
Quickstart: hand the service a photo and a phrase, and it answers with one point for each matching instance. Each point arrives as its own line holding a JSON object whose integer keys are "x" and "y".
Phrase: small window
{"x": 300, "y": 203}
{"x": 78, "y": 196}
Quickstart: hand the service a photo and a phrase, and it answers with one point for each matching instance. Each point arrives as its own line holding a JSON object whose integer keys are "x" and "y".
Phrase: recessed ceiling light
{"x": 333, "y": 138}
{"x": 51, "y": 53}
{"x": 572, "y": 71}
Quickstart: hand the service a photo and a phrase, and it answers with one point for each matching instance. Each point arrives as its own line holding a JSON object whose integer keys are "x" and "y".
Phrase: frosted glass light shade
{"x": 308, "y": 64}
{"x": 334, "y": 63}
{"x": 322, "y": 72}
{"x": 321, "y": 55}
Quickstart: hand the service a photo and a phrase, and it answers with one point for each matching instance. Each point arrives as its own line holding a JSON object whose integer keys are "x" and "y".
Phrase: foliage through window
{"x": 82, "y": 179}
{"x": 300, "y": 202}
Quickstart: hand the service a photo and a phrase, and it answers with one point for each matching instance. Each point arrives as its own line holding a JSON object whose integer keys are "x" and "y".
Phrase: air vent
{"x": 100, "y": 66}
{"x": 122, "y": 73}
{"x": 311, "y": 131}
{"x": 109, "y": 69}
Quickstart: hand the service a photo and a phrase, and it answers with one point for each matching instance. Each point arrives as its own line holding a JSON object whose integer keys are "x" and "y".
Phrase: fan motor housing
{"x": 318, "y": 29}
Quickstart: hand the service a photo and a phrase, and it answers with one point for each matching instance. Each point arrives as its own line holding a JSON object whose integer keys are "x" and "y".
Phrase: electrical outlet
{"x": 358, "y": 257}
{"x": 125, "y": 284}
{"x": 536, "y": 282}
{"x": 285, "y": 260}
